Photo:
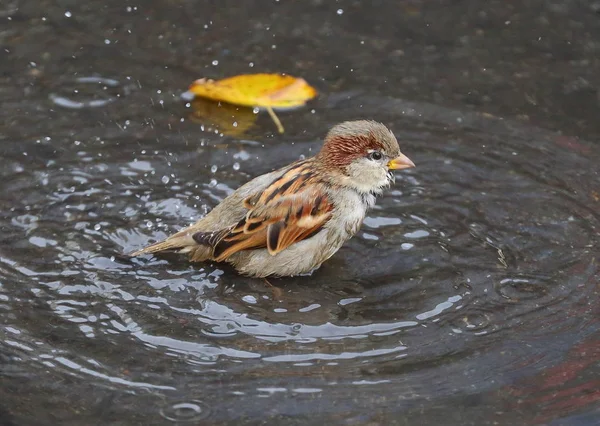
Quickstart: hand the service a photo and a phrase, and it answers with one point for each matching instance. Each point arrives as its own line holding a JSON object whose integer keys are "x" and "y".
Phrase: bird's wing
{"x": 295, "y": 206}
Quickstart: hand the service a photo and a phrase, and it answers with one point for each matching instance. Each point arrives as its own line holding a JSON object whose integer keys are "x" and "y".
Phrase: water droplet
{"x": 213, "y": 168}
{"x": 236, "y": 166}
{"x": 235, "y": 124}
{"x": 97, "y": 227}
{"x": 251, "y": 64}
{"x": 165, "y": 179}
{"x": 106, "y": 41}
{"x": 340, "y": 11}
{"x": 215, "y": 63}
{"x": 68, "y": 14}
{"x": 255, "y": 110}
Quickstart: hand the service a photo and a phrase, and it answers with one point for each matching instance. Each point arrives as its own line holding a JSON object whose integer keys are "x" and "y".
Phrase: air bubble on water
{"x": 302, "y": 157}
{"x": 213, "y": 168}
{"x": 106, "y": 41}
{"x": 255, "y": 110}
{"x": 149, "y": 224}
{"x": 340, "y": 11}
{"x": 236, "y": 166}
{"x": 215, "y": 63}
{"x": 212, "y": 183}
{"x": 251, "y": 64}
{"x": 235, "y": 124}
{"x": 77, "y": 142}
{"x": 97, "y": 227}
{"x": 159, "y": 91}
{"x": 68, "y": 14}
{"x": 165, "y": 179}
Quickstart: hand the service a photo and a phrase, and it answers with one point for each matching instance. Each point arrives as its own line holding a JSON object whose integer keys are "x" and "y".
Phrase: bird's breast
{"x": 350, "y": 211}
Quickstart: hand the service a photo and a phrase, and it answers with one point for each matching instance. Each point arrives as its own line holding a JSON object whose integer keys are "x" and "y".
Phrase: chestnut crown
{"x": 352, "y": 140}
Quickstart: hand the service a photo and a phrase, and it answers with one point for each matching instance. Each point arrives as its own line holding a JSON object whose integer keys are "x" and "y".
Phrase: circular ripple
{"x": 523, "y": 288}
{"x": 88, "y": 92}
{"x": 185, "y": 411}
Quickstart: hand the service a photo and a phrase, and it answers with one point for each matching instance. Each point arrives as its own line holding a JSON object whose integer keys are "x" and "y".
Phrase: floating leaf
{"x": 229, "y": 119}
{"x": 269, "y": 91}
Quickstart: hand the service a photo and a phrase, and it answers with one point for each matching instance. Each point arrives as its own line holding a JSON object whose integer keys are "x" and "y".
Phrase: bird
{"x": 289, "y": 221}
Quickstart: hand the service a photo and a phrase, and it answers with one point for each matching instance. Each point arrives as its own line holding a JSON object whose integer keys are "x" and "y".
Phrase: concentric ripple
{"x": 483, "y": 246}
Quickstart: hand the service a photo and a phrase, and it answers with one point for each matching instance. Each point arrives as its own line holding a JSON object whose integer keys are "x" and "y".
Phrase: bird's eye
{"x": 376, "y": 155}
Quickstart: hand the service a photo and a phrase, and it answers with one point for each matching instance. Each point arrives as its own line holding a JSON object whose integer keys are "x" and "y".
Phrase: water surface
{"x": 470, "y": 296}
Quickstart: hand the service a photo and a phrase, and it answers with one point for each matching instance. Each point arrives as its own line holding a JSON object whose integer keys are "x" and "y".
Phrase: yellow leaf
{"x": 269, "y": 91}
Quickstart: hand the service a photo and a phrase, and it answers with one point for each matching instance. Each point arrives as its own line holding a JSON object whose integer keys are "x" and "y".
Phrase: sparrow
{"x": 289, "y": 221}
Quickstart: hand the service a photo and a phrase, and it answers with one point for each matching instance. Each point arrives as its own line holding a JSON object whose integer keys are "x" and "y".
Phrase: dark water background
{"x": 471, "y": 295}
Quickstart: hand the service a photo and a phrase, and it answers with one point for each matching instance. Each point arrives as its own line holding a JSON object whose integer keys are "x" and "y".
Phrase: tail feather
{"x": 198, "y": 245}
{"x": 178, "y": 242}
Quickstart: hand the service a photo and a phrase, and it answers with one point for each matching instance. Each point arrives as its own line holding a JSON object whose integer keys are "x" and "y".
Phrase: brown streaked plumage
{"x": 290, "y": 221}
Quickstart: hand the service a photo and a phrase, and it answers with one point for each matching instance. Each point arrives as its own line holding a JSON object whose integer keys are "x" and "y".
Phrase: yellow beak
{"x": 400, "y": 162}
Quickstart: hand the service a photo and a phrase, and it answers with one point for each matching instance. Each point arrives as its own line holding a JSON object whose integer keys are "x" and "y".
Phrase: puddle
{"x": 473, "y": 282}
